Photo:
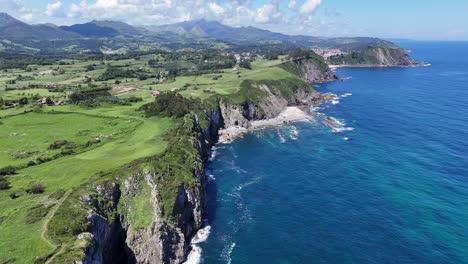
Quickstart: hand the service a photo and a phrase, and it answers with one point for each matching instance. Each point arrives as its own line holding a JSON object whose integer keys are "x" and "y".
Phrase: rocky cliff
{"x": 375, "y": 56}
{"x": 148, "y": 211}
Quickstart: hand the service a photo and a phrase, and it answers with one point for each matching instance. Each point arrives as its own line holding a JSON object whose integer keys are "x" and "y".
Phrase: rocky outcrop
{"x": 375, "y": 57}
{"x": 390, "y": 57}
{"x": 310, "y": 68}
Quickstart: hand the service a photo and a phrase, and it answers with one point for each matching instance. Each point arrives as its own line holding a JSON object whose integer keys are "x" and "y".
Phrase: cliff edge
{"x": 374, "y": 57}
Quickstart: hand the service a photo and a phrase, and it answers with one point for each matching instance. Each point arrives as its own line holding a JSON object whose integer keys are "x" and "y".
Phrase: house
{"x": 155, "y": 93}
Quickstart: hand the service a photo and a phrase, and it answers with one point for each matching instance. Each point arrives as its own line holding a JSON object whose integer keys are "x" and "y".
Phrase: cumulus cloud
{"x": 215, "y": 8}
{"x": 54, "y": 9}
{"x": 309, "y": 6}
{"x": 268, "y": 13}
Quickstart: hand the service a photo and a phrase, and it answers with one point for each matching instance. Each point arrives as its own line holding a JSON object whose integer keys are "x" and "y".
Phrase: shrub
{"x": 90, "y": 68}
{"x": 59, "y": 143}
{"x": 36, "y": 188}
{"x": 23, "y": 101}
{"x": 4, "y": 185}
{"x": 37, "y": 213}
{"x": 171, "y": 104}
{"x": 245, "y": 64}
{"x": 8, "y": 170}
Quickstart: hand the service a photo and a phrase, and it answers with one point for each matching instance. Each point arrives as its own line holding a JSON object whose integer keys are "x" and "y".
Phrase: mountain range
{"x": 29, "y": 36}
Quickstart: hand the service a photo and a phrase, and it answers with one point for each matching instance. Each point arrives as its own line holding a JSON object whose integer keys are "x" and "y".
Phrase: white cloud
{"x": 309, "y": 6}
{"x": 268, "y": 13}
{"x": 54, "y": 9}
{"x": 292, "y": 4}
{"x": 27, "y": 17}
{"x": 215, "y": 8}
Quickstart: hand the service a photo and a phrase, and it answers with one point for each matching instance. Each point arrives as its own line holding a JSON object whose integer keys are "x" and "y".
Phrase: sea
{"x": 388, "y": 185}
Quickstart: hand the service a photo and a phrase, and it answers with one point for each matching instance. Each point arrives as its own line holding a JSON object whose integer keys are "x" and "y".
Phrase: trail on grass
{"x": 46, "y": 223}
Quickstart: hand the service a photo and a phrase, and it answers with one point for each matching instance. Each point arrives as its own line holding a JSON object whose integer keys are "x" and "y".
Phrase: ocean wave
{"x": 253, "y": 181}
{"x": 335, "y": 101}
{"x": 202, "y": 235}
{"x": 281, "y": 137}
{"x": 194, "y": 257}
{"x": 213, "y": 154}
{"x": 210, "y": 177}
{"x": 294, "y": 133}
{"x": 227, "y": 252}
{"x": 346, "y": 95}
{"x": 342, "y": 129}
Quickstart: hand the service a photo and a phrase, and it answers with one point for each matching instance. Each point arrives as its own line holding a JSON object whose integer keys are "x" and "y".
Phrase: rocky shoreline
{"x": 334, "y": 67}
{"x": 287, "y": 115}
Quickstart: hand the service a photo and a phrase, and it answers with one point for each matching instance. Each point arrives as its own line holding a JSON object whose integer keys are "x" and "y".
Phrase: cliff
{"x": 147, "y": 211}
{"x": 308, "y": 66}
{"x": 374, "y": 56}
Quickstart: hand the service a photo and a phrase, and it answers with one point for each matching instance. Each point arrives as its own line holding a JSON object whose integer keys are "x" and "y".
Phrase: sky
{"x": 407, "y": 19}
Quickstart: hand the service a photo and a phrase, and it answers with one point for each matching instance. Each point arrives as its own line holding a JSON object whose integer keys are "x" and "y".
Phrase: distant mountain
{"x": 49, "y": 38}
{"x": 102, "y": 29}
{"x": 90, "y": 30}
{"x": 215, "y": 30}
{"x": 121, "y": 27}
{"x": 13, "y": 29}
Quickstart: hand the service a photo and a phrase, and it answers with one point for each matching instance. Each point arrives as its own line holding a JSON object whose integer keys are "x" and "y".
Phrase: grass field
{"x": 133, "y": 138}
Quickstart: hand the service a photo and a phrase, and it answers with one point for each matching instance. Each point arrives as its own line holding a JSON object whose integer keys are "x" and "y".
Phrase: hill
{"x": 102, "y": 29}
{"x": 13, "y": 29}
{"x": 215, "y": 30}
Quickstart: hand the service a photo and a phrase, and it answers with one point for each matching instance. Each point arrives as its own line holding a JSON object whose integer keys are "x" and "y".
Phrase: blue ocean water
{"x": 395, "y": 192}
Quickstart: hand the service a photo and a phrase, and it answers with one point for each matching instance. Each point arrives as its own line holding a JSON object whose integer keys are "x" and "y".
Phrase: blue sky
{"x": 415, "y": 19}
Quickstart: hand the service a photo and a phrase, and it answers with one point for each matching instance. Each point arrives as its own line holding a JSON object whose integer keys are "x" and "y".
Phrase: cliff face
{"x": 374, "y": 56}
{"x": 310, "y": 68}
{"x": 386, "y": 56}
{"x": 163, "y": 233}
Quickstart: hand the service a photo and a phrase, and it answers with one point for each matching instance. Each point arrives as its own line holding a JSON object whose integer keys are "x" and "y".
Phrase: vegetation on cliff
{"x": 395, "y": 56}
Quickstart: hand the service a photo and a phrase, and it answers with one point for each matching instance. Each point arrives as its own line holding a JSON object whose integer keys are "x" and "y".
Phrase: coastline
{"x": 288, "y": 114}
{"x": 334, "y": 67}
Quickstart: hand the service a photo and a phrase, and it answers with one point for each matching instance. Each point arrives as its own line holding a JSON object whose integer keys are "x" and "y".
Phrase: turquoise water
{"x": 395, "y": 192}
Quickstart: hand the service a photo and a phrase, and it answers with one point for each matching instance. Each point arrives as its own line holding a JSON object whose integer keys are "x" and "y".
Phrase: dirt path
{"x": 46, "y": 223}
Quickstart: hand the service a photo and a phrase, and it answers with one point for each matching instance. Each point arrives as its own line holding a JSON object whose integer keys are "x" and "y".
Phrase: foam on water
{"x": 294, "y": 133}
{"x": 195, "y": 255}
{"x": 281, "y": 137}
{"x": 202, "y": 235}
{"x": 227, "y": 252}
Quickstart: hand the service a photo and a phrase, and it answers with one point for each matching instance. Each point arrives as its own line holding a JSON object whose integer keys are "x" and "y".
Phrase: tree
{"x": 23, "y": 101}
{"x": 245, "y": 64}
{"x": 90, "y": 68}
{"x": 36, "y": 188}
